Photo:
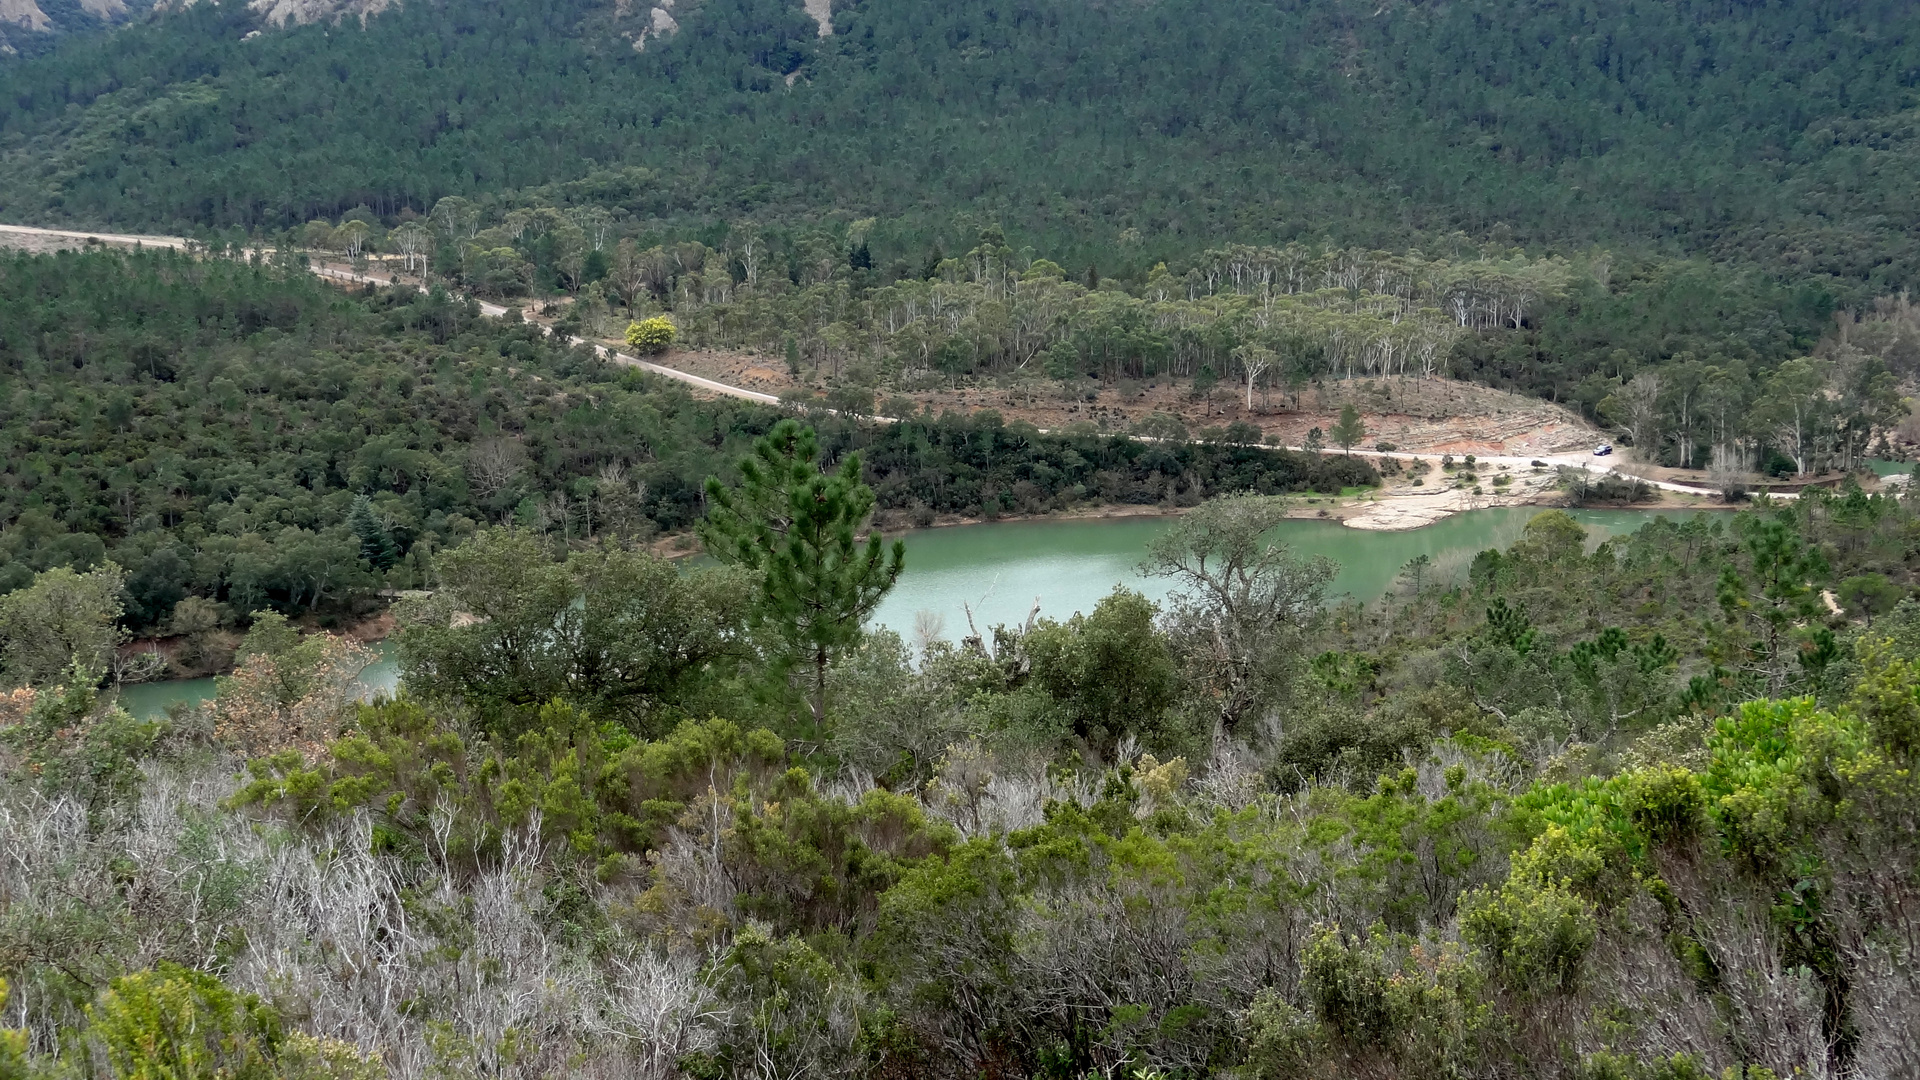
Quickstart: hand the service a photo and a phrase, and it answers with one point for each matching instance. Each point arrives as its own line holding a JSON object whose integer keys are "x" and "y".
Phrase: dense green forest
{"x": 1647, "y": 212}
{"x": 1696, "y": 364}
{"x": 246, "y": 435}
{"x": 1777, "y": 134}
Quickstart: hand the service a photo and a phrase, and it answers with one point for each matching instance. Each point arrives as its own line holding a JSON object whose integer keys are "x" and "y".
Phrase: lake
{"x": 151, "y": 699}
{"x": 1000, "y": 569}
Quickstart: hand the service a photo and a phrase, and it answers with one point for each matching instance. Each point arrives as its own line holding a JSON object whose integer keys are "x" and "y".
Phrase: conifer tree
{"x": 376, "y": 543}
{"x": 795, "y": 524}
{"x": 1349, "y": 429}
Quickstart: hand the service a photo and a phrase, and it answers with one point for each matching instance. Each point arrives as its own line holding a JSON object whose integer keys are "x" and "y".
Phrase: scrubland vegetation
{"x": 1639, "y": 811}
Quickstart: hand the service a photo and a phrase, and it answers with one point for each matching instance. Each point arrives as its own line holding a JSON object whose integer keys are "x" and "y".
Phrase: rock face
{"x": 822, "y": 12}
{"x": 660, "y": 23}
{"x": 302, "y": 12}
{"x": 27, "y": 14}
{"x": 23, "y": 13}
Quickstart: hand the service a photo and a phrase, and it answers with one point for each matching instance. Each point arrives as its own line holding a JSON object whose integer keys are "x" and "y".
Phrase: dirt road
{"x": 55, "y": 236}
{"x": 618, "y": 357}
{"x": 1408, "y": 511}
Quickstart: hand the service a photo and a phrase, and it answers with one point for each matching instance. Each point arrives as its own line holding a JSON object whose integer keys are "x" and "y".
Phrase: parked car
{"x": 1603, "y": 450}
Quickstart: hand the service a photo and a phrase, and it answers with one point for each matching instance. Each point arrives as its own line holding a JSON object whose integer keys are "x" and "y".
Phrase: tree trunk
{"x": 817, "y": 703}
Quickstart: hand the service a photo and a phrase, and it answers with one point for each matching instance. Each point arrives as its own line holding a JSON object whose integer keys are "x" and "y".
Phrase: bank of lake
{"x": 999, "y": 569}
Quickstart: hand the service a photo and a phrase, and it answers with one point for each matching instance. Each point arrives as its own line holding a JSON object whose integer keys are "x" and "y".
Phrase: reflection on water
{"x": 1001, "y": 569}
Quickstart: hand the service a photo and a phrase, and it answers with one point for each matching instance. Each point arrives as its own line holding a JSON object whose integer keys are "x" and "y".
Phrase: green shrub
{"x": 1534, "y": 933}
{"x": 598, "y": 792}
{"x": 71, "y": 743}
{"x": 1386, "y": 995}
{"x": 173, "y": 1023}
{"x": 13, "y": 1046}
{"x": 650, "y": 336}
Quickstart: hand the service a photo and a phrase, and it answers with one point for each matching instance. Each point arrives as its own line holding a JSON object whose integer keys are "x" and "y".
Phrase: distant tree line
{"x": 1695, "y": 365}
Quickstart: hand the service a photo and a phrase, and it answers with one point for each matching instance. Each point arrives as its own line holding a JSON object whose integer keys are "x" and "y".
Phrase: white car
{"x": 1603, "y": 450}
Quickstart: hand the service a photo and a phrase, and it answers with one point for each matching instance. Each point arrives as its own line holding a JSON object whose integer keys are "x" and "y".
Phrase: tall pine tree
{"x": 795, "y": 524}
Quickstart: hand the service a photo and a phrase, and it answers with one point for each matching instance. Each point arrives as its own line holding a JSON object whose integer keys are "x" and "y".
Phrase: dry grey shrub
{"x": 1885, "y": 1004}
{"x": 439, "y": 976}
{"x": 1874, "y": 911}
{"x": 692, "y": 887}
{"x": 662, "y": 1007}
{"x": 1232, "y": 780}
{"x": 981, "y": 793}
{"x": 1086, "y": 950}
{"x": 1774, "y": 1014}
{"x": 1633, "y": 972}
{"x": 463, "y": 978}
{"x": 46, "y": 878}
{"x": 85, "y": 898}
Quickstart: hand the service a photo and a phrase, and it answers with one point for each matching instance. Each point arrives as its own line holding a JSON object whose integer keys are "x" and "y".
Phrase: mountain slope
{"x": 1783, "y": 133}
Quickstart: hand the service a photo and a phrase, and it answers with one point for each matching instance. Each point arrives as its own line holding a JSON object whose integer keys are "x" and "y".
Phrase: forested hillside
{"x": 1779, "y": 134}
{"x": 1640, "y": 809}
{"x": 248, "y": 437}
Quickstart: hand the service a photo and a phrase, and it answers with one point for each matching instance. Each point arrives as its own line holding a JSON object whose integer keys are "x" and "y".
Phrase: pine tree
{"x": 376, "y": 542}
{"x": 1348, "y": 429}
{"x": 795, "y": 524}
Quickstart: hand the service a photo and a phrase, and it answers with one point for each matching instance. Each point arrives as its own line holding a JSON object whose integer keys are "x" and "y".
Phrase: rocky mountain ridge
{"x": 26, "y": 23}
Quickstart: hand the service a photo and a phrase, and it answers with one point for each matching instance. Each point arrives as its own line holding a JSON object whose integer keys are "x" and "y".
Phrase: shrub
{"x": 290, "y": 692}
{"x": 1606, "y": 1066}
{"x": 595, "y": 790}
{"x": 1385, "y": 995}
{"x": 1535, "y": 933}
{"x": 13, "y": 1046}
{"x": 65, "y": 739}
{"x": 173, "y": 1023}
{"x": 650, "y": 336}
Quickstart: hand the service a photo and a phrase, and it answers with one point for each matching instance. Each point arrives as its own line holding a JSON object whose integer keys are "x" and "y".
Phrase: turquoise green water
{"x": 1000, "y": 570}
{"x": 151, "y": 699}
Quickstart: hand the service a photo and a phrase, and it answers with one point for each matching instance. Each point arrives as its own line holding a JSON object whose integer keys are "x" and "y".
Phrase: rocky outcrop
{"x": 28, "y": 15}
{"x": 302, "y": 12}
{"x": 23, "y": 13}
{"x": 660, "y": 23}
{"x": 822, "y": 12}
